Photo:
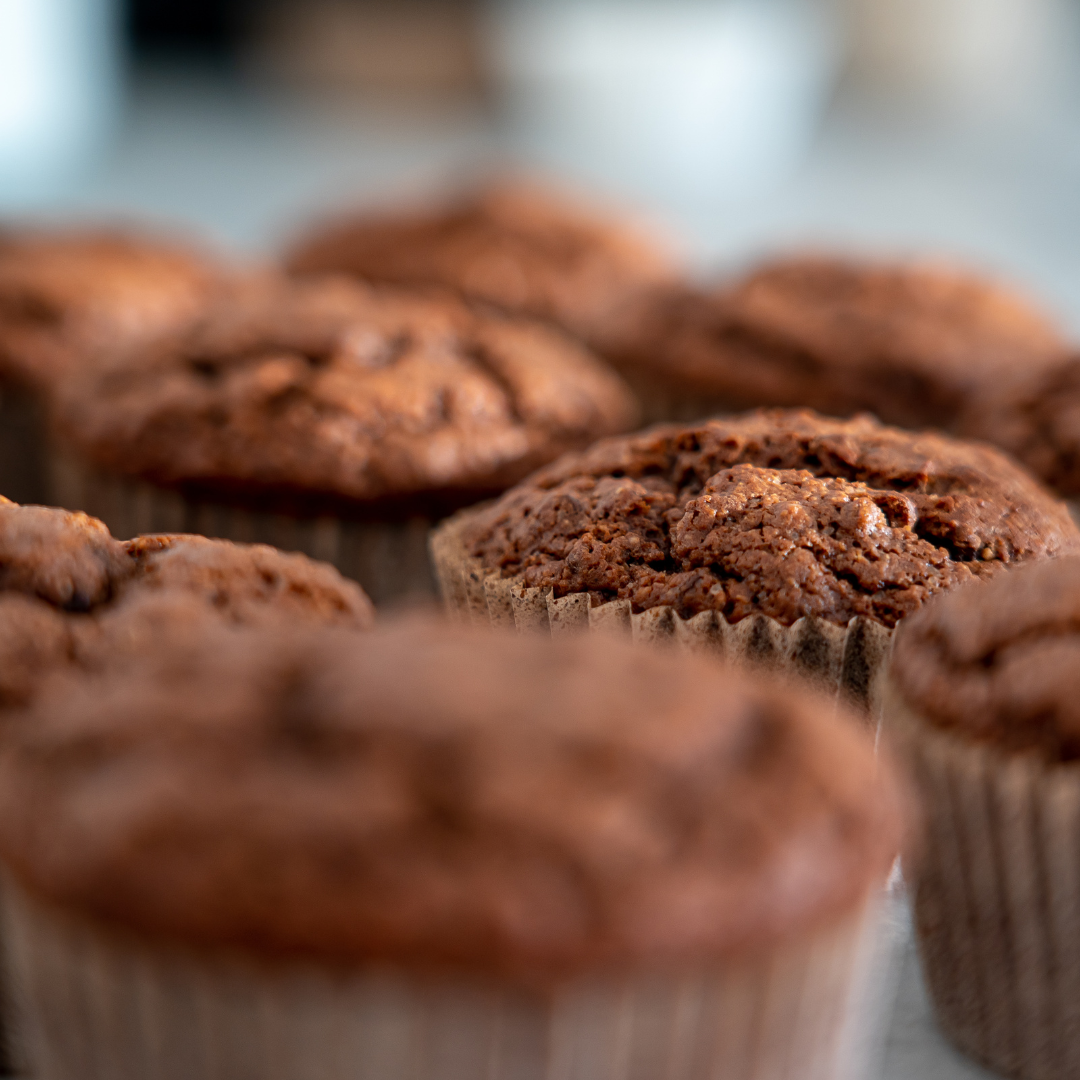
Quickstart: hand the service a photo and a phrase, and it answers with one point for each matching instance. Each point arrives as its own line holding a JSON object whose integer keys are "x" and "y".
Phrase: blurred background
{"x": 744, "y": 125}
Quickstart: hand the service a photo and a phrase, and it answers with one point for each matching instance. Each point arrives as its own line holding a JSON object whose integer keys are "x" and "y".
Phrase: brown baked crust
{"x": 910, "y": 342}
{"x": 999, "y": 663}
{"x": 1035, "y": 418}
{"x": 441, "y": 800}
{"x": 508, "y": 244}
{"x": 66, "y": 295}
{"x": 331, "y": 389}
{"x": 780, "y": 513}
{"x": 71, "y": 594}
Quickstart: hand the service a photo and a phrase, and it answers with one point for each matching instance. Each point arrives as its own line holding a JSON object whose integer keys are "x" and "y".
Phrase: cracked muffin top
{"x": 909, "y": 342}
{"x": 72, "y": 594}
{"x": 510, "y": 245}
{"x": 1037, "y": 419}
{"x": 66, "y": 295}
{"x": 1000, "y": 663}
{"x": 329, "y": 389}
{"x": 436, "y": 799}
{"x": 776, "y": 512}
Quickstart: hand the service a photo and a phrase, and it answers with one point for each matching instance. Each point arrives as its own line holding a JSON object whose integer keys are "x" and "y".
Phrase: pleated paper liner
{"x": 847, "y": 660}
{"x": 996, "y": 897}
{"x": 92, "y": 1005}
{"x": 389, "y": 559}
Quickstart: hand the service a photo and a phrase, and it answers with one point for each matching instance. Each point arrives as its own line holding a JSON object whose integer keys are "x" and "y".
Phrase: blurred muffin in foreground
{"x": 329, "y": 417}
{"x": 67, "y": 295}
{"x": 436, "y": 851}
{"x": 911, "y": 342}
{"x": 983, "y": 700}
{"x": 1037, "y": 419}
{"x": 782, "y": 536}
{"x": 514, "y": 246}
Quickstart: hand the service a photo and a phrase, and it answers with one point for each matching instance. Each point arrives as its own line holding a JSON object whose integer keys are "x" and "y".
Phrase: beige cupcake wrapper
{"x": 849, "y": 660}
{"x": 996, "y": 897}
{"x": 94, "y": 1006}
{"x": 389, "y": 559}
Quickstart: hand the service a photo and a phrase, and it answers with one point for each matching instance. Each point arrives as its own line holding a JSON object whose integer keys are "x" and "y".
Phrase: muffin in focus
{"x": 911, "y": 342}
{"x": 514, "y": 246}
{"x": 782, "y": 536}
{"x": 429, "y": 851}
{"x": 65, "y": 297}
{"x": 328, "y": 417}
{"x": 983, "y": 700}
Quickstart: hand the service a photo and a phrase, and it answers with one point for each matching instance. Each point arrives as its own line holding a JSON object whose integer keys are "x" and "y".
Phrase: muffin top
{"x": 71, "y": 594}
{"x": 507, "y": 244}
{"x": 65, "y": 295}
{"x": 775, "y": 512}
{"x": 331, "y": 390}
{"x": 1037, "y": 419}
{"x": 909, "y": 342}
{"x": 999, "y": 663}
{"x": 442, "y": 799}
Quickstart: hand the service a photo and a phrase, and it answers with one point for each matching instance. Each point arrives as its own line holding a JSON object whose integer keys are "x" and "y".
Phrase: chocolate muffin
{"x": 819, "y": 534}
{"x": 1037, "y": 419}
{"x": 983, "y": 699}
{"x": 332, "y": 418}
{"x": 65, "y": 296}
{"x": 434, "y": 851}
{"x": 910, "y": 342}
{"x": 511, "y": 245}
{"x": 70, "y": 594}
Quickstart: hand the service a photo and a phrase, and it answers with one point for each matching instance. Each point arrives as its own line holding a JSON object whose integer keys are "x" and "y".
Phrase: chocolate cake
{"x": 444, "y": 802}
{"x": 780, "y": 513}
{"x": 910, "y": 342}
{"x": 328, "y": 393}
{"x": 510, "y": 245}
{"x": 1037, "y": 420}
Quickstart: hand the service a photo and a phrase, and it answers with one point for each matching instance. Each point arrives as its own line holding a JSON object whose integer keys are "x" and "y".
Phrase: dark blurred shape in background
{"x": 176, "y": 29}
{"x": 405, "y": 48}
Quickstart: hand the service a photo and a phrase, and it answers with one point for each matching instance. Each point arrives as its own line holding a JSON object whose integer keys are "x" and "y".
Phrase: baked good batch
{"x": 247, "y": 831}
{"x": 509, "y": 244}
{"x": 779, "y": 535}
{"x": 449, "y": 852}
{"x": 984, "y": 701}
{"x": 331, "y": 418}
{"x": 1036, "y": 419}
{"x": 65, "y": 295}
{"x": 910, "y": 342}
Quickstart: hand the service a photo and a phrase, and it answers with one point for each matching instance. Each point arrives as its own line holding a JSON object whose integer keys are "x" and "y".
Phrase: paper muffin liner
{"x": 389, "y": 559}
{"x": 847, "y": 660}
{"x": 93, "y": 1005}
{"x": 996, "y": 897}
